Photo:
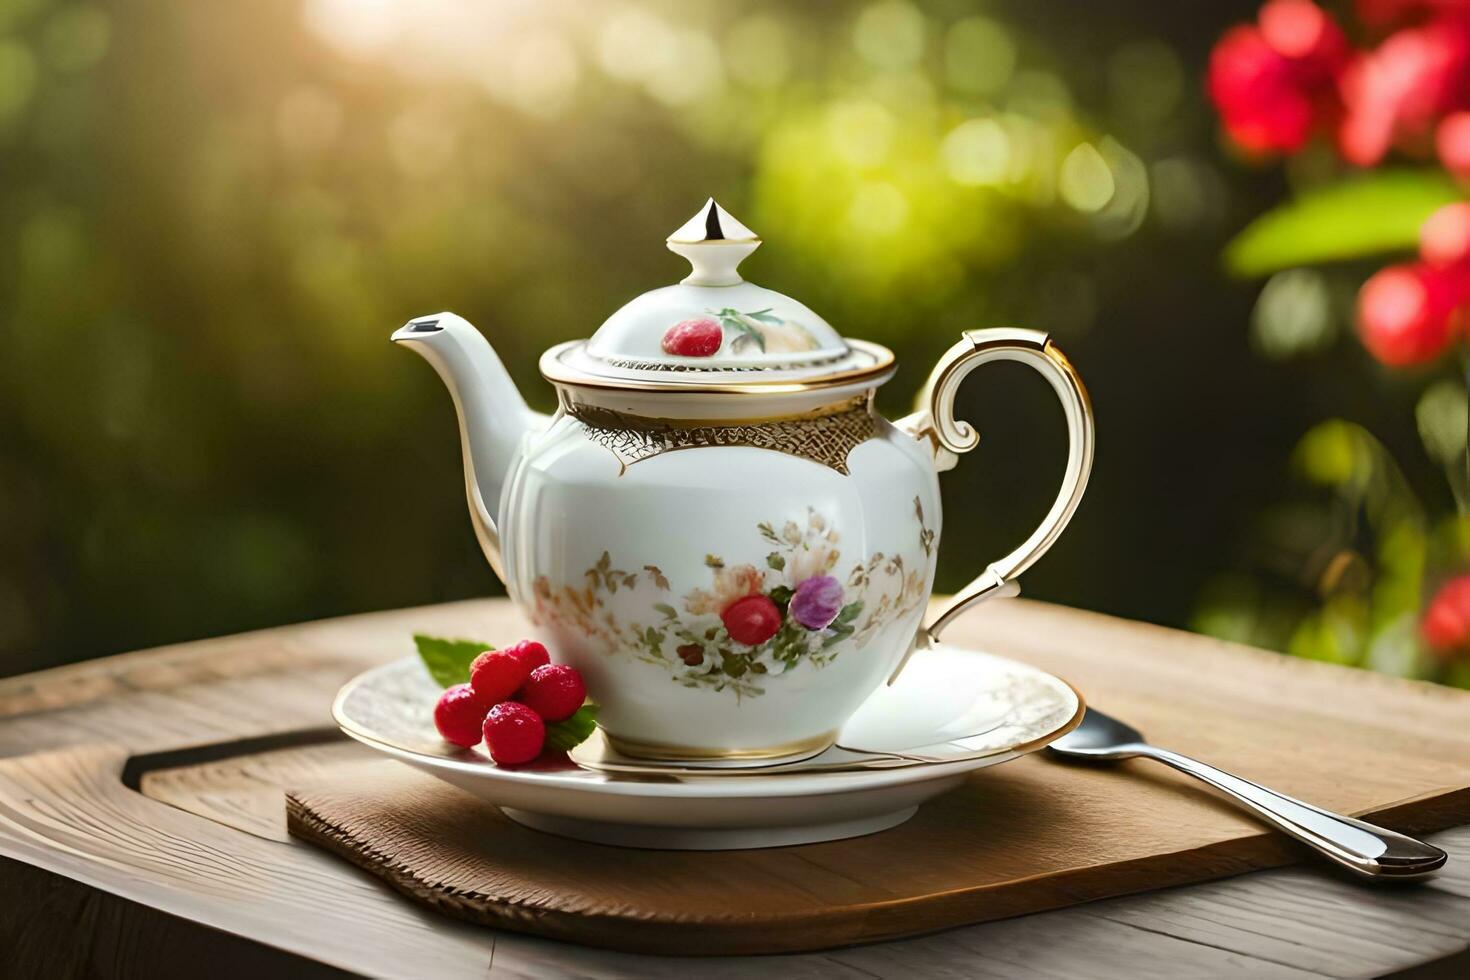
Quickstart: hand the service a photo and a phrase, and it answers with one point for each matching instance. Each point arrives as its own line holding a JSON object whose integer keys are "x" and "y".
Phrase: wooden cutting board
{"x": 1030, "y": 835}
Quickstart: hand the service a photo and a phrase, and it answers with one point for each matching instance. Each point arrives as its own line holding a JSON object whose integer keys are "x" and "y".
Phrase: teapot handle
{"x": 937, "y": 422}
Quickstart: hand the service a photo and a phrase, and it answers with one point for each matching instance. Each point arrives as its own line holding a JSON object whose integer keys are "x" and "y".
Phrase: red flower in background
{"x": 1275, "y": 82}
{"x": 1292, "y": 75}
{"x": 1444, "y": 239}
{"x": 1395, "y": 92}
{"x": 1404, "y": 313}
{"x": 1446, "y": 623}
{"x": 1409, "y": 313}
{"x": 1452, "y": 144}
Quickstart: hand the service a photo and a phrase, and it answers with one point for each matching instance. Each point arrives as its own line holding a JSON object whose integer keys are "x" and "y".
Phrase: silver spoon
{"x": 1362, "y": 848}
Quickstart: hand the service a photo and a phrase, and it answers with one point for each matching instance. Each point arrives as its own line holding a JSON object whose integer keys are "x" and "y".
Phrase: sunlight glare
{"x": 361, "y": 27}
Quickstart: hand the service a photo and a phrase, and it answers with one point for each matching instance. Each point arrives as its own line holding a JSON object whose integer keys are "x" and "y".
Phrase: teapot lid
{"x": 714, "y": 328}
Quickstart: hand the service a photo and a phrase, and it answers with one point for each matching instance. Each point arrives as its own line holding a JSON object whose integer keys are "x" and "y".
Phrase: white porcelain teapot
{"x": 715, "y": 527}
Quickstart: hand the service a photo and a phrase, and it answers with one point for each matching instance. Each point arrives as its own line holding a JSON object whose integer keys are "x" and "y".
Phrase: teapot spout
{"x": 494, "y": 419}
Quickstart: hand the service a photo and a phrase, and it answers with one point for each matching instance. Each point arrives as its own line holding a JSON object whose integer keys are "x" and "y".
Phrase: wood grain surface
{"x": 1027, "y": 836}
{"x": 176, "y": 877}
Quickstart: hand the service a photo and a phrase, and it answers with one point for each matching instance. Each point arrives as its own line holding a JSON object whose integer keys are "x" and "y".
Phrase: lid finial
{"x": 714, "y": 243}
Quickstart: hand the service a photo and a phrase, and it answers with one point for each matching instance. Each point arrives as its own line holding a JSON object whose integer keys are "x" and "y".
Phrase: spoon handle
{"x": 1362, "y": 848}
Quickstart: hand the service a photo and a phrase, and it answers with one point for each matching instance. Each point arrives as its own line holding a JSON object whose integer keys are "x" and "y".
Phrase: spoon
{"x": 1357, "y": 845}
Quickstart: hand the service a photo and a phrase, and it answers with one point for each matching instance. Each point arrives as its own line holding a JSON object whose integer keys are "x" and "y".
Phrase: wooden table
{"x": 99, "y": 878}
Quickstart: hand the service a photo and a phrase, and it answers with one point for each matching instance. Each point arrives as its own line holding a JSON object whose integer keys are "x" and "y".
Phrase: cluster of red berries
{"x": 1293, "y": 74}
{"x": 511, "y": 697}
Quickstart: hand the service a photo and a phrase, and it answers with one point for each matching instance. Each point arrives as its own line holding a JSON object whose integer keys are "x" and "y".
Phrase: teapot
{"x": 715, "y": 527}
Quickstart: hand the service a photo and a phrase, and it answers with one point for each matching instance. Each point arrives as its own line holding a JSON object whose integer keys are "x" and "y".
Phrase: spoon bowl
{"x": 1100, "y": 737}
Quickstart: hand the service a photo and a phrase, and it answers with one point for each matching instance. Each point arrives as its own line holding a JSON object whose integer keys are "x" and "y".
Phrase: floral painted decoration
{"x": 750, "y": 624}
{"x": 703, "y": 336}
{"x": 764, "y": 330}
{"x": 817, "y": 602}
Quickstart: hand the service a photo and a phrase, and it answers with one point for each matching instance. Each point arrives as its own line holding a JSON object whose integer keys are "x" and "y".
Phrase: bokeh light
{"x": 217, "y": 212}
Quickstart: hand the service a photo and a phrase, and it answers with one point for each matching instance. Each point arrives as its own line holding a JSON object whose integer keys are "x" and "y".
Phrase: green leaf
{"x": 571, "y": 732}
{"x": 776, "y": 561}
{"x": 1364, "y": 216}
{"x": 448, "y": 661}
{"x": 841, "y": 627}
{"x": 764, "y": 316}
{"x": 750, "y": 333}
{"x": 668, "y": 611}
{"x": 735, "y": 320}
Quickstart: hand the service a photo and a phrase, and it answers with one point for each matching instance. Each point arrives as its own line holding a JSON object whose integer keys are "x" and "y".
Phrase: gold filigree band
{"x": 826, "y": 439}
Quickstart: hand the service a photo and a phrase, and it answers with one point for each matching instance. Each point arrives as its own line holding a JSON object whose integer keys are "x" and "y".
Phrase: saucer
{"x": 993, "y": 708}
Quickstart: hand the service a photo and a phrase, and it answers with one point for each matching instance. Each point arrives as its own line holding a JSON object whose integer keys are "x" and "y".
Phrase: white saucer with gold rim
{"x": 952, "y": 711}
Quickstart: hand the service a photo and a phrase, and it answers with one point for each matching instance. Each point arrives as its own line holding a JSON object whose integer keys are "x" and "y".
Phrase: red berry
{"x": 1452, "y": 143}
{"x": 555, "y": 691}
{"x": 496, "y": 675}
{"x": 459, "y": 715}
{"x": 752, "y": 620}
{"x": 530, "y": 653}
{"x": 514, "y": 733}
{"x": 1404, "y": 314}
{"x": 1444, "y": 238}
{"x": 700, "y": 336}
{"x": 1446, "y": 623}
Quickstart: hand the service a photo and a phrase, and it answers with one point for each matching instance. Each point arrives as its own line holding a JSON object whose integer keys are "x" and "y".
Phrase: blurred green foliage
{"x": 1366, "y": 215}
{"x": 217, "y": 212}
{"x": 1341, "y": 569}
